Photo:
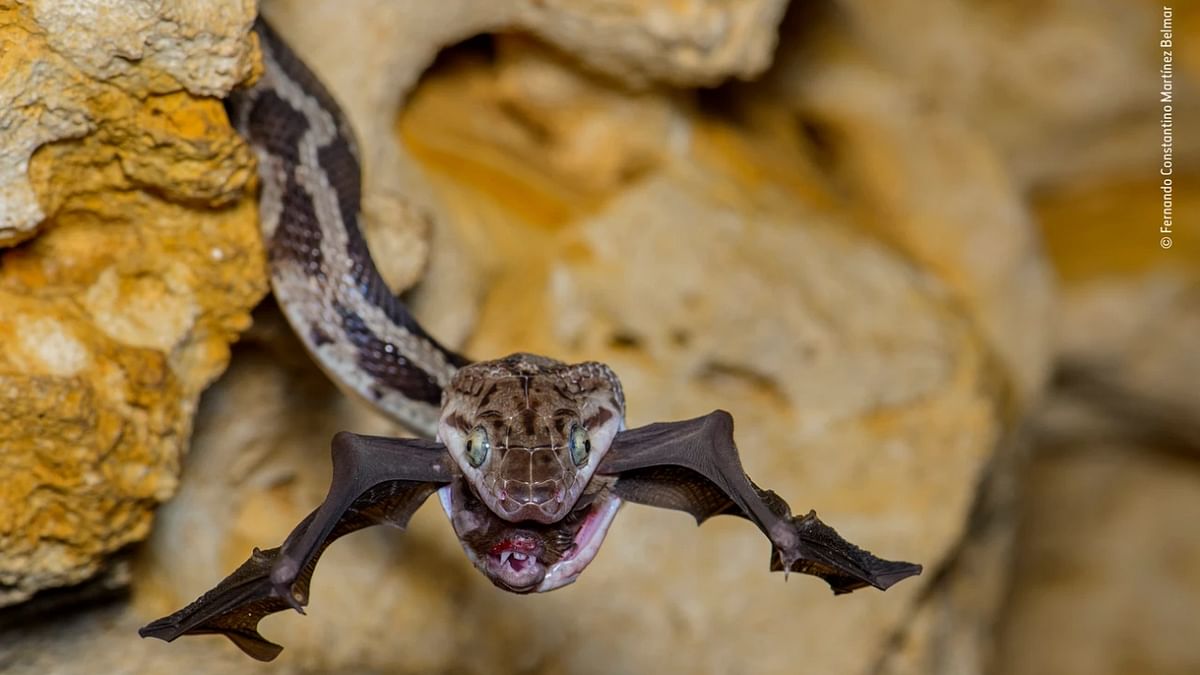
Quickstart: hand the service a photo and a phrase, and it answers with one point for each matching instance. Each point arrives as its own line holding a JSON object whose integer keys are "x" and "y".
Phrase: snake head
{"x": 528, "y": 432}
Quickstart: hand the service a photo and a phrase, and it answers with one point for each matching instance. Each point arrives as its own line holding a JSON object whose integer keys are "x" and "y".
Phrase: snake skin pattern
{"x": 321, "y": 270}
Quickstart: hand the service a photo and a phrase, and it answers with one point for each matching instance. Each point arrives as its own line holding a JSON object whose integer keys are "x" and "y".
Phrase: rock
{"x": 696, "y": 42}
{"x": 1038, "y": 82}
{"x": 925, "y": 179}
{"x": 76, "y": 71}
{"x": 120, "y": 312}
{"x": 952, "y": 627}
{"x": 1105, "y": 566}
{"x": 708, "y": 248}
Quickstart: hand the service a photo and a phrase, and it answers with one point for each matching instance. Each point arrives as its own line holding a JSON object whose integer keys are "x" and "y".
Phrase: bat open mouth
{"x": 528, "y": 557}
{"x": 515, "y": 563}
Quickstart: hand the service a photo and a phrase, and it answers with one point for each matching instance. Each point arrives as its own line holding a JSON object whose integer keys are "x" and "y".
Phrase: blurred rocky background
{"x": 912, "y": 246}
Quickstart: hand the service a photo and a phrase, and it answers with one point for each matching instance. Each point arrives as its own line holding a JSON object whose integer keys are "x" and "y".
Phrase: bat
{"x": 691, "y": 466}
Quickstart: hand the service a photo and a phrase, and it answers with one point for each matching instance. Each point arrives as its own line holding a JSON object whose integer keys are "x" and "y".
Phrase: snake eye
{"x": 580, "y": 445}
{"x": 478, "y": 447}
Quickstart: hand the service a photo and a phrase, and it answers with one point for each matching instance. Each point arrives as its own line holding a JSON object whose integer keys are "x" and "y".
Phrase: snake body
{"x": 321, "y": 270}
{"x": 547, "y": 424}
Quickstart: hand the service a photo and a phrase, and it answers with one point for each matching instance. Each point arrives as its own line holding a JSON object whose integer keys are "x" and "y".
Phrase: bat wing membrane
{"x": 376, "y": 481}
{"x": 693, "y": 466}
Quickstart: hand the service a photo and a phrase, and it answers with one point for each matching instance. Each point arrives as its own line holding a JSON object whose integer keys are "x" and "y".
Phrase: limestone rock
{"x": 706, "y": 247}
{"x": 1040, "y": 82}
{"x": 1106, "y": 561}
{"x": 1114, "y": 491}
{"x": 684, "y": 43}
{"x": 117, "y": 316}
{"x": 77, "y": 71}
{"x": 1106, "y": 570}
{"x": 925, "y": 179}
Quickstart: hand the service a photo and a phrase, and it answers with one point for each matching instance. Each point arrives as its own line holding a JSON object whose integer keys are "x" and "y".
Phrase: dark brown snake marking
{"x": 321, "y": 270}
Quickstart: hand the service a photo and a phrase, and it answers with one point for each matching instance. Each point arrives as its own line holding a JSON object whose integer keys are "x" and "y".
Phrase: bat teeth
{"x": 505, "y": 555}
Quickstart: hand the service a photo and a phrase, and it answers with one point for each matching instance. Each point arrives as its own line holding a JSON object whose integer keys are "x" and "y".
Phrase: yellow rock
{"x": 120, "y": 312}
{"x": 1124, "y": 215}
{"x": 710, "y": 250}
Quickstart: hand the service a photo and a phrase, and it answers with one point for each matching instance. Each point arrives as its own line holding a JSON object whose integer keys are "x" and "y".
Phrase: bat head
{"x": 528, "y": 432}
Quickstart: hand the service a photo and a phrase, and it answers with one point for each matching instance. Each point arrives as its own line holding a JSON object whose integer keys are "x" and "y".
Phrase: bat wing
{"x": 376, "y": 481}
{"x": 693, "y": 466}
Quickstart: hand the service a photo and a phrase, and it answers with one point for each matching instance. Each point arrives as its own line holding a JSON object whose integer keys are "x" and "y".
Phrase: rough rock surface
{"x": 1104, "y": 585}
{"x": 844, "y": 254}
{"x": 1038, "y": 87}
{"x": 1040, "y": 80}
{"x": 925, "y": 178}
{"x": 120, "y": 313}
{"x": 1107, "y": 566}
{"x": 113, "y": 73}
